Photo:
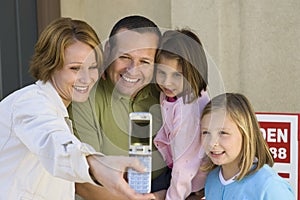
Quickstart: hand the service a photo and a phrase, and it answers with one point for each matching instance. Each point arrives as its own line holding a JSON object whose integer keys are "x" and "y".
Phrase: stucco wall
{"x": 103, "y": 14}
{"x": 254, "y": 44}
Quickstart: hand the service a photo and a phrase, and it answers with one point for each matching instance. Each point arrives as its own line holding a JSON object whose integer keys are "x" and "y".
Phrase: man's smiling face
{"x": 132, "y": 66}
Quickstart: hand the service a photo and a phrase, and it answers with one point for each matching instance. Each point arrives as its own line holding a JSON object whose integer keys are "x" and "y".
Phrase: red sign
{"x": 278, "y": 138}
{"x": 281, "y": 131}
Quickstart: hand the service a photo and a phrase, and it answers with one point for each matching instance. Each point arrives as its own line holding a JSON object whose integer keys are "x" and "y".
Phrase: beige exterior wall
{"x": 103, "y": 14}
{"x": 254, "y": 44}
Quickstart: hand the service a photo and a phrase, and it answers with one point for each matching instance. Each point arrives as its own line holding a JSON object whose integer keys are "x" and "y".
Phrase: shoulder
{"x": 150, "y": 90}
{"x": 31, "y": 94}
{"x": 212, "y": 182}
{"x": 148, "y": 95}
{"x": 25, "y": 96}
{"x": 103, "y": 87}
{"x": 36, "y": 99}
{"x": 212, "y": 175}
{"x": 276, "y": 185}
{"x": 272, "y": 186}
{"x": 203, "y": 100}
{"x": 266, "y": 173}
{"x": 102, "y": 92}
{"x": 204, "y": 97}
{"x": 154, "y": 91}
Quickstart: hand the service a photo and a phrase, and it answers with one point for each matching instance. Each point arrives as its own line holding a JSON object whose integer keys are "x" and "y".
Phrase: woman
{"x": 40, "y": 158}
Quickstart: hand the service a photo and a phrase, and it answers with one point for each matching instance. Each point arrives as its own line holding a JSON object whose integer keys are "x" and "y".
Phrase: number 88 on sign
{"x": 281, "y": 132}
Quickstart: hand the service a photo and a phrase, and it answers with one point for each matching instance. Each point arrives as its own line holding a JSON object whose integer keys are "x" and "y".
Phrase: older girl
{"x": 239, "y": 159}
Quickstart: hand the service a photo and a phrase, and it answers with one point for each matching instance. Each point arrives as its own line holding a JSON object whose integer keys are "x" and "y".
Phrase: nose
{"x": 212, "y": 141}
{"x": 133, "y": 65}
{"x": 84, "y": 76}
{"x": 168, "y": 80}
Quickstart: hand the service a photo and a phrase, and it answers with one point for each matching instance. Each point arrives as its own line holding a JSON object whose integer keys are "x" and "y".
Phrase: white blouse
{"x": 40, "y": 158}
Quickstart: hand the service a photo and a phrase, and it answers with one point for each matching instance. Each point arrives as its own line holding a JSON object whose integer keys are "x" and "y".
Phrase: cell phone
{"x": 140, "y": 146}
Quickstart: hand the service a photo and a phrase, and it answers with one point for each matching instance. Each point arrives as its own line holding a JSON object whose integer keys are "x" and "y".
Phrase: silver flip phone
{"x": 140, "y": 146}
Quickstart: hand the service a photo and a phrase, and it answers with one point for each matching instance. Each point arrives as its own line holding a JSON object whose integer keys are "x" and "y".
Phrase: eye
{"x": 93, "y": 67}
{"x": 124, "y": 57}
{"x": 160, "y": 72}
{"x": 75, "y": 68}
{"x": 205, "y": 132}
{"x": 223, "y": 133}
{"x": 146, "y": 62}
{"x": 177, "y": 75}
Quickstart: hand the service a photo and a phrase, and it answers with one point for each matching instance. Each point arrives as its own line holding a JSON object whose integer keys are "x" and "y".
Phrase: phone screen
{"x": 140, "y": 132}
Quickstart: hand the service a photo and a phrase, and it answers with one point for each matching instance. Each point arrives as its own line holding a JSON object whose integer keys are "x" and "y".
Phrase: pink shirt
{"x": 178, "y": 141}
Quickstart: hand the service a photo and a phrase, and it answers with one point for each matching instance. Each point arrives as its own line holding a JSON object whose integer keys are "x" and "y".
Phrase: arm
{"x": 186, "y": 151}
{"x": 186, "y": 175}
{"x": 45, "y": 132}
{"x": 92, "y": 192}
{"x": 109, "y": 171}
{"x": 196, "y": 195}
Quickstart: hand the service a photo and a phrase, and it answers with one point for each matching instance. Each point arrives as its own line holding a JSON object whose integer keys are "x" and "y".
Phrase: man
{"x": 125, "y": 87}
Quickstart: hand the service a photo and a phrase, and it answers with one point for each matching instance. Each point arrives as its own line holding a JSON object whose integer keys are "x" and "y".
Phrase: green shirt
{"x": 102, "y": 121}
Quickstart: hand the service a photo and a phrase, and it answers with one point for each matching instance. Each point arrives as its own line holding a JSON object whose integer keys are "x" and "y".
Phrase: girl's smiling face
{"x": 222, "y": 141}
{"x": 169, "y": 77}
{"x": 80, "y": 72}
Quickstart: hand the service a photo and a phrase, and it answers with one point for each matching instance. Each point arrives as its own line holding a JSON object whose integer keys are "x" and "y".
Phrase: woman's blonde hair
{"x": 58, "y": 35}
{"x": 239, "y": 109}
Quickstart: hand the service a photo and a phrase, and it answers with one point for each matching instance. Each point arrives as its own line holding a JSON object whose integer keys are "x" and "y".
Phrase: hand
{"x": 109, "y": 171}
{"x": 160, "y": 195}
{"x": 92, "y": 192}
{"x": 103, "y": 76}
{"x": 196, "y": 195}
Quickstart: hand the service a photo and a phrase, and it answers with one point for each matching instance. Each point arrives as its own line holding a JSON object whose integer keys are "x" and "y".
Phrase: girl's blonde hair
{"x": 239, "y": 109}
{"x": 58, "y": 35}
{"x": 184, "y": 46}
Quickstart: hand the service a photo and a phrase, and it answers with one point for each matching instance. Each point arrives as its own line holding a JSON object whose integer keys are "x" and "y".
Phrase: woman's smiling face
{"x": 80, "y": 72}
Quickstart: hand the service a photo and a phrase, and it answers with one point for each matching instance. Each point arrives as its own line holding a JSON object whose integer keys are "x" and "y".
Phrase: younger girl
{"x": 181, "y": 75}
{"x": 240, "y": 161}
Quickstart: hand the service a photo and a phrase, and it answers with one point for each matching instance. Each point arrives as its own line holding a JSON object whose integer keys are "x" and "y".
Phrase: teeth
{"x": 217, "y": 153}
{"x": 170, "y": 90}
{"x": 81, "y": 88}
{"x": 130, "y": 79}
